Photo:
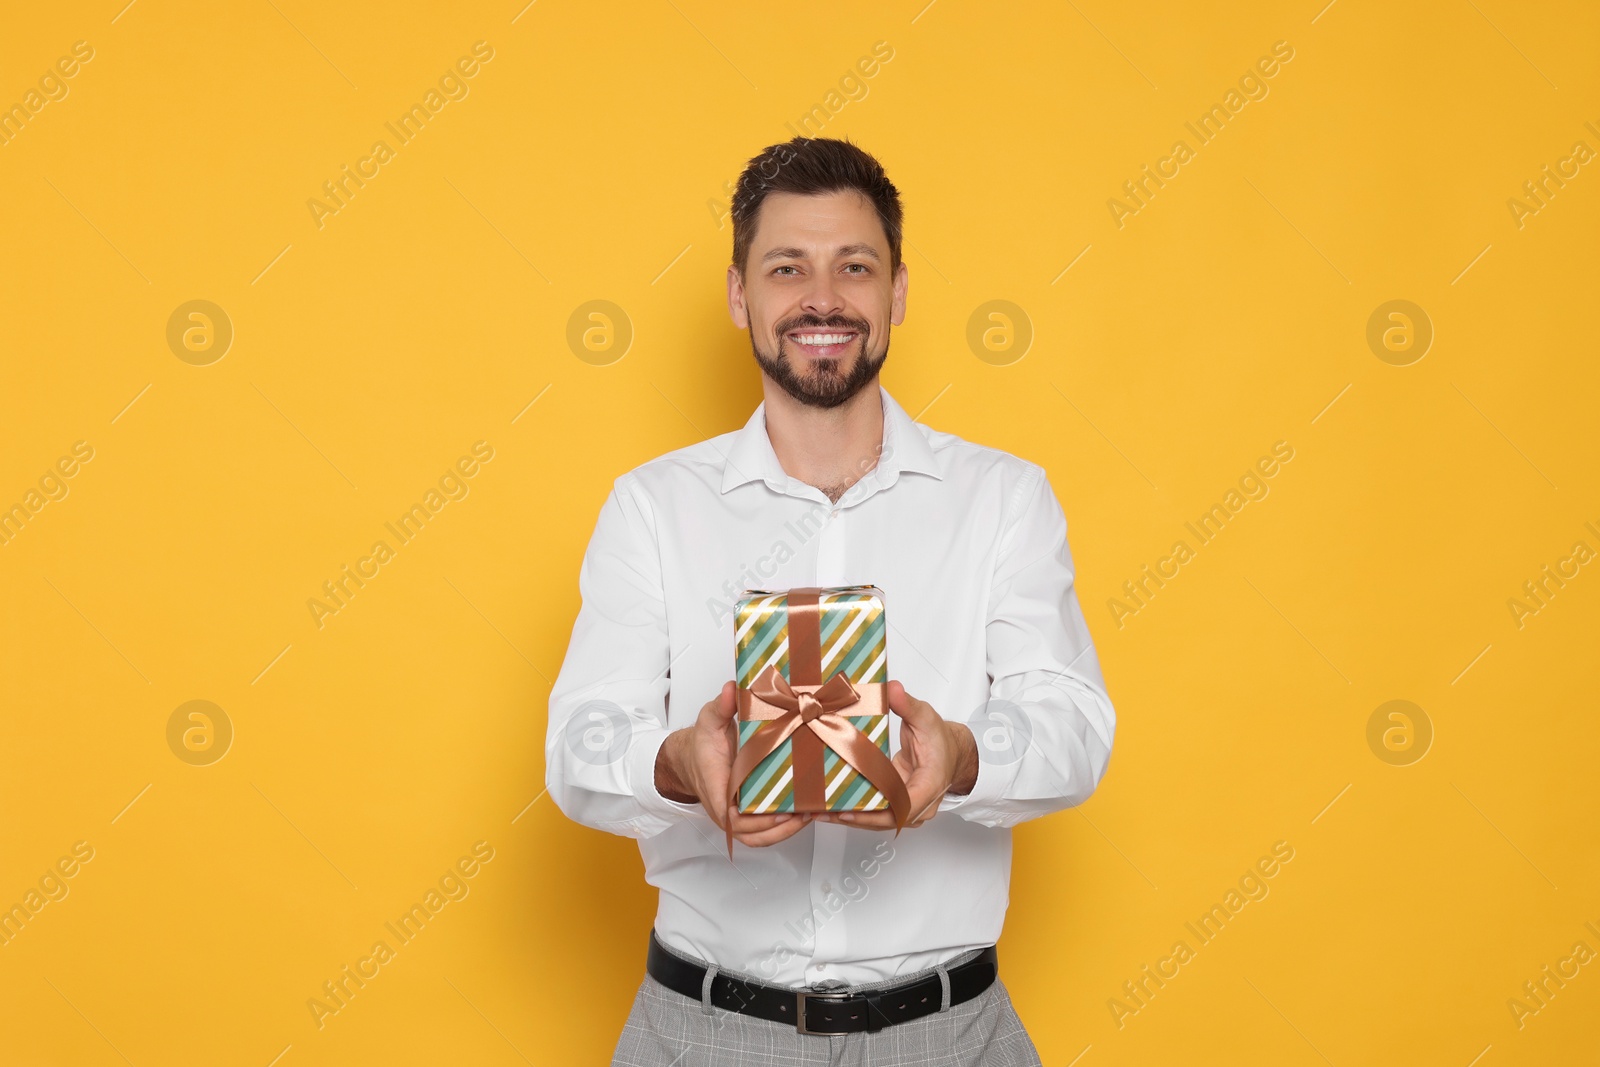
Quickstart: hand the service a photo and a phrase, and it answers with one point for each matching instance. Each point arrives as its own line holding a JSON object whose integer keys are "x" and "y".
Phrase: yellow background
{"x": 586, "y": 163}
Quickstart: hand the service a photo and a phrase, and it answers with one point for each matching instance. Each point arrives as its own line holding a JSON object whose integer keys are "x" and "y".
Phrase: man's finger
{"x": 863, "y": 820}
{"x": 723, "y": 706}
{"x": 876, "y": 820}
{"x": 774, "y": 834}
{"x": 908, "y": 707}
{"x": 749, "y": 824}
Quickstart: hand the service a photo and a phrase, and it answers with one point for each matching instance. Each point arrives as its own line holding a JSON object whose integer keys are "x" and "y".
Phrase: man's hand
{"x": 693, "y": 765}
{"x": 936, "y": 757}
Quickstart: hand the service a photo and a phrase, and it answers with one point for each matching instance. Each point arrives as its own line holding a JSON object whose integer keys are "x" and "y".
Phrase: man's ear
{"x": 897, "y": 309}
{"x": 736, "y": 306}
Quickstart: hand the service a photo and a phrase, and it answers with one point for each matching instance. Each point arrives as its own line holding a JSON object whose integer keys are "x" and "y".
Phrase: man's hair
{"x": 811, "y": 166}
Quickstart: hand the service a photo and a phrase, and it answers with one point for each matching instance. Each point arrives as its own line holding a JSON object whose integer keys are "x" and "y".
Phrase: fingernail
{"x": 782, "y": 818}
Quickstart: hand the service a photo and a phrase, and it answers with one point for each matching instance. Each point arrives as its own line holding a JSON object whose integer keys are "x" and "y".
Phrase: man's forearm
{"x": 669, "y": 758}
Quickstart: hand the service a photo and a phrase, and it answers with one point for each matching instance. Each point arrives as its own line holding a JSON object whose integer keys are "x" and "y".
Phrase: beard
{"x": 826, "y": 383}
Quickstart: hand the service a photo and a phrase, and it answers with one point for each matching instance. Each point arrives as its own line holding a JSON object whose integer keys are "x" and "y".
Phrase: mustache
{"x": 817, "y": 322}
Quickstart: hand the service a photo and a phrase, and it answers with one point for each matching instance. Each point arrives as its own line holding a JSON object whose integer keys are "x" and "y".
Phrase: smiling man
{"x": 827, "y": 940}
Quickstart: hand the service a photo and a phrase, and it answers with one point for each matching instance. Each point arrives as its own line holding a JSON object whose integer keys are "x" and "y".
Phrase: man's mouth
{"x": 823, "y": 344}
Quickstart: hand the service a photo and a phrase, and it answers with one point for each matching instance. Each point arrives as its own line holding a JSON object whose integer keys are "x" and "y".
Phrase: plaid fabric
{"x": 666, "y": 1029}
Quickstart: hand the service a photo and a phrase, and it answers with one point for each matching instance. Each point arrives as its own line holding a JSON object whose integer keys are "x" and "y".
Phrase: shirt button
{"x": 826, "y": 888}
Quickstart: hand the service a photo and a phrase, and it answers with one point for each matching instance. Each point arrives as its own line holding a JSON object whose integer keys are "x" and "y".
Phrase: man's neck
{"x": 829, "y": 448}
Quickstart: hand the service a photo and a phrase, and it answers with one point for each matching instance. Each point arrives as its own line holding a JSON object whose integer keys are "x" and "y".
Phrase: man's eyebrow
{"x": 844, "y": 250}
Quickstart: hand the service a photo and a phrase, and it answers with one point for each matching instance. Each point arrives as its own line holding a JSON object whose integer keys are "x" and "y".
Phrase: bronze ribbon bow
{"x": 808, "y": 715}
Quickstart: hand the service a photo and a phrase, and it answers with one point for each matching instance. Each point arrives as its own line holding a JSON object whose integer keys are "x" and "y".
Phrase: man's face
{"x": 817, "y": 295}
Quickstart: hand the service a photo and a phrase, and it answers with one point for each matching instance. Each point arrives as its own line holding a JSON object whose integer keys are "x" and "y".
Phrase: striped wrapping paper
{"x": 854, "y": 642}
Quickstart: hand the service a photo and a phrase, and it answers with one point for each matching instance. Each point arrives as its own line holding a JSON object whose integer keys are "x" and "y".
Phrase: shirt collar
{"x": 905, "y": 448}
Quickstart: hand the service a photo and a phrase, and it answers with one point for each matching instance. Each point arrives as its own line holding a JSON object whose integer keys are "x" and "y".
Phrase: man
{"x": 827, "y": 940}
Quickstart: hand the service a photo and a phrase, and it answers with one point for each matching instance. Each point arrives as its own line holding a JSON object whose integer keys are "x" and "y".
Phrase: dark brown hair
{"x": 810, "y": 166}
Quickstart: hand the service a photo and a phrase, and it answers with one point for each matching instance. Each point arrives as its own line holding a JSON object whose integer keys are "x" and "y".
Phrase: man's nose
{"x": 822, "y": 297}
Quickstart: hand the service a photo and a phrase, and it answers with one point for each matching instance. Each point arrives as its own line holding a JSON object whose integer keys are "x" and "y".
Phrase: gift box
{"x": 813, "y": 718}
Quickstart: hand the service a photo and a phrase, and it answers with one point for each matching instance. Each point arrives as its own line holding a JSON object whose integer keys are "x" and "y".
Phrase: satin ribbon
{"x": 811, "y": 717}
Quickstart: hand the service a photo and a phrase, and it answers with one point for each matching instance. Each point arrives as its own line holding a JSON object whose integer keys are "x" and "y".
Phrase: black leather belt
{"x": 824, "y": 1013}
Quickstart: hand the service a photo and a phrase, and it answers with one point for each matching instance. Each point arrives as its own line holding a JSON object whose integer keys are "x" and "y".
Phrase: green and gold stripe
{"x": 854, "y": 642}
{"x": 853, "y": 627}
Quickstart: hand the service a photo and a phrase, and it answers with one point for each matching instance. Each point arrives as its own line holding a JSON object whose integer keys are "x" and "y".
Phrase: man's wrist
{"x": 966, "y": 747}
{"x": 669, "y": 761}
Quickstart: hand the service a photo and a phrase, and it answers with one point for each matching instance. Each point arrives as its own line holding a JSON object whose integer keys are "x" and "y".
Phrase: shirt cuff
{"x": 657, "y": 813}
{"x": 993, "y": 780}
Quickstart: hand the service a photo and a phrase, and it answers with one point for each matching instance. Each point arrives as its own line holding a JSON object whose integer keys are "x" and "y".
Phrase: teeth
{"x": 822, "y": 338}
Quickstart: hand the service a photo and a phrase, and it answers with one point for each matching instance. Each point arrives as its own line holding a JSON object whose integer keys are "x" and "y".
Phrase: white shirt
{"x": 969, "y": 547}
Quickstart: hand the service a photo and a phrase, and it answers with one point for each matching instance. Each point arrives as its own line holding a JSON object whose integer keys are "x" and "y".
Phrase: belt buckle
{"x": 802, "y": 996}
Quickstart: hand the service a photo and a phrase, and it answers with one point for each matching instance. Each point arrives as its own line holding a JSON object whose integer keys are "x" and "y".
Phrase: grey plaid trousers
{"x": 667, "y": 1029}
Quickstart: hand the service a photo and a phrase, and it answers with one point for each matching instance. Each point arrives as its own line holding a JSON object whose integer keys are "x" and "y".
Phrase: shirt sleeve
{"x": 608, "y": 705}
{"x": 1044, "y": 738}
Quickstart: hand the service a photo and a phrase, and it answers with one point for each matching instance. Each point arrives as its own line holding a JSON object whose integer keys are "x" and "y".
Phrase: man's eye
{"x": 780, "y": 270}
{"x": 860, "y": 268}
